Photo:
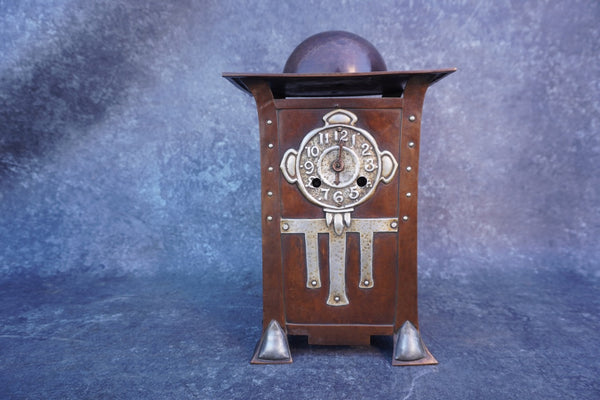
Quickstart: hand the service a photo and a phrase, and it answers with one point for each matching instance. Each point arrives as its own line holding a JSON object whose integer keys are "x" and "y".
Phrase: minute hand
{"x": 338, "y": 165}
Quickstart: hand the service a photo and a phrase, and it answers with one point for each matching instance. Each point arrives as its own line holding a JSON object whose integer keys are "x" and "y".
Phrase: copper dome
{"x": 334, "y": 51}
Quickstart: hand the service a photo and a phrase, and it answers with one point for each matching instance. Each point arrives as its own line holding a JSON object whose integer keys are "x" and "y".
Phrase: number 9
{"x": 309, "y": 167}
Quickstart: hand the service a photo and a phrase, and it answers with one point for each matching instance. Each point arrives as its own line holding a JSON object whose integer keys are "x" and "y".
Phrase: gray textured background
{"x": 123, "y": 151}
{"x": 129, "y": 199}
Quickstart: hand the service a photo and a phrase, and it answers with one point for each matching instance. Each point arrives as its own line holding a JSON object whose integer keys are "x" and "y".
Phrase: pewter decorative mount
{"x": 337, "y": 167}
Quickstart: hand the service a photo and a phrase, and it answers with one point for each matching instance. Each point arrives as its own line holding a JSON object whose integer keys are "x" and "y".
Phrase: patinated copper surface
{"x": 386, "y": 84}
{"x": 388, "y": 306}
{"x": 334, "y": 51}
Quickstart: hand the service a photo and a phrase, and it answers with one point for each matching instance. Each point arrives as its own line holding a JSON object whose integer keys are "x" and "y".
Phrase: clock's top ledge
{"x": 385, "y": 83}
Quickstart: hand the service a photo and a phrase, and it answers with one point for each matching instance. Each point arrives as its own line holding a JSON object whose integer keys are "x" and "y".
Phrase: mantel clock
{"x": 339, "y": 139}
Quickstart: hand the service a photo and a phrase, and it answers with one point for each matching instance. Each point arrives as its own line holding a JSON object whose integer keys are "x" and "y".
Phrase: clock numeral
{"x": 309, "y": 167}
{"x": 366, "y": 149}
{"x": 340, "y": 136}
{"x": 344, "y": 136}
{"x": 325, "y": 192}
{"x": 338, "y": 197}
{"x": 312, "y": 151}
{"x": 370, "y": 165}
{"x": 354, "y": 193}
{"x": 323, "y": 137}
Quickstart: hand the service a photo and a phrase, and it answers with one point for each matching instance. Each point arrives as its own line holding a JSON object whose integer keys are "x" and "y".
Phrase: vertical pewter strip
{"x": 367, "y": 228}
{"x": 313, "y": 277}
{"x": 337, "y": 270}
{"x": 310, "y": 228}
{"x": 366, "y": 260}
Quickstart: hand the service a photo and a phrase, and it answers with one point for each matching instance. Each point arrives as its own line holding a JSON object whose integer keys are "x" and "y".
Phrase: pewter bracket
{"x": 310, "y": 228}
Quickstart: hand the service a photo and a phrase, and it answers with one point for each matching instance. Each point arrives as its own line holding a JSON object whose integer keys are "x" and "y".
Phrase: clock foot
{"x": 409, "y": 348}
{"x": 273, "y": 347}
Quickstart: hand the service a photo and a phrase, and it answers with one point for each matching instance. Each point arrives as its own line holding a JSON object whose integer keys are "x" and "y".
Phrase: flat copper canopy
{"x": 384, "y": 83}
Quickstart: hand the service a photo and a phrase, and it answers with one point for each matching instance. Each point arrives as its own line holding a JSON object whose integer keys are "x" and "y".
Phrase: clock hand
{"x": 338, "y": 165}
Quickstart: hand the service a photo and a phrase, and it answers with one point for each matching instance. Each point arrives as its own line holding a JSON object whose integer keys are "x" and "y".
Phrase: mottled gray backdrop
{"x": 123, "y": 151}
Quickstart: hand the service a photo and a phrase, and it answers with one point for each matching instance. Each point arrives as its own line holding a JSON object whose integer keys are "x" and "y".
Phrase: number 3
{"x": 370, "y": 165}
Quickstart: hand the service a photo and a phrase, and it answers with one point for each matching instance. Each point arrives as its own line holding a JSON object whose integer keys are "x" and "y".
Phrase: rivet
{"x": 405, "y": 218}
{"x": 285, "y": 227}
{"x": 270, "y": 169}
{"x": 269, "y": 218}
{"x": 336, "y": 298}
{"x": 314, "y": 283}
{"x": 409, "y": 168}
{"x": 411, "y": 144}
{"x": 394, "y": 225}
{"x": 412, "y": 118}
{"x": 269, "y": 194}
{"x": 408, "y": 194}
{"x": 269, "y": 122}
{"x": 366, "y": 282}
{"x": 270, "y": 145}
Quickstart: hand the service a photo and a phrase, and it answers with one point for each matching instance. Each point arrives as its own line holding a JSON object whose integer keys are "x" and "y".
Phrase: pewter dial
{"x": 339, "y": 165}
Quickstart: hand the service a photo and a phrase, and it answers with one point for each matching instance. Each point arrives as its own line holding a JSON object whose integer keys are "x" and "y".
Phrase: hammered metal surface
{"x": 409, "y": 346}
{"x": 334, "y": 51}
{"x": 311, "y": 228}
{"x": 339, "y": 165}
{"x": 273, "y": 346}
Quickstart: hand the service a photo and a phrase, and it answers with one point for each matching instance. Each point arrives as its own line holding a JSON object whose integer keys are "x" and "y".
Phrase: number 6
{"x": 338, "y": 197}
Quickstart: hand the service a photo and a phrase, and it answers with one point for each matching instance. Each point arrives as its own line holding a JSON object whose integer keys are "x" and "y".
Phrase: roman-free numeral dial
{"x": 339, "y": 165}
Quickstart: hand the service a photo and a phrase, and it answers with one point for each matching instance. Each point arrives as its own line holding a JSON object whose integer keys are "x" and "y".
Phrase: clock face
{"x": 338, "y": 166}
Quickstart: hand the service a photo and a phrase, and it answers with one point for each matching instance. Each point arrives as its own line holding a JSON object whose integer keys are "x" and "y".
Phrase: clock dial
{"x": 338, "y": 166}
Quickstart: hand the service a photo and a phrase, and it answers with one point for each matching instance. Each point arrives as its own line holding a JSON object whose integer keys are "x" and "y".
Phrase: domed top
{"x": 334, "y": 51}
